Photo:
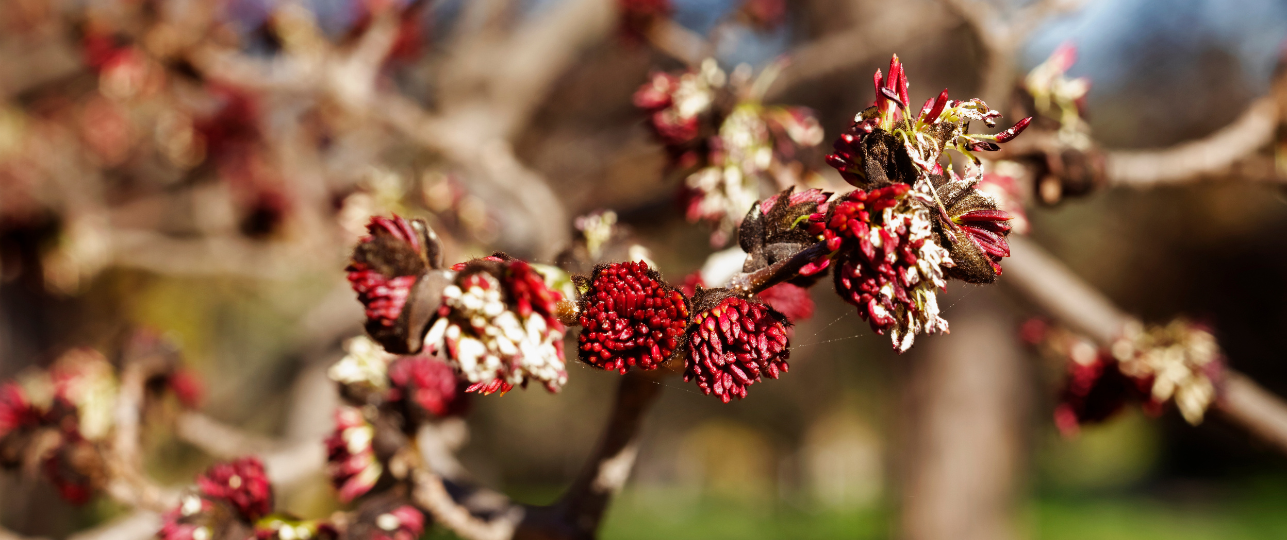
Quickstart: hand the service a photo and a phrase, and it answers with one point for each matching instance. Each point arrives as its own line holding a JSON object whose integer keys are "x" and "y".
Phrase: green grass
{"x": 1243, "y": 512}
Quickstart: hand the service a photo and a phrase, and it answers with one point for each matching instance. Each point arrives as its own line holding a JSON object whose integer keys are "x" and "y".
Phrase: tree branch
{"x": 1253, "y": 130}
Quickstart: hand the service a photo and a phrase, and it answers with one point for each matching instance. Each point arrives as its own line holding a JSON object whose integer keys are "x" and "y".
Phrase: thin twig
{"x": 1253, "y": 130}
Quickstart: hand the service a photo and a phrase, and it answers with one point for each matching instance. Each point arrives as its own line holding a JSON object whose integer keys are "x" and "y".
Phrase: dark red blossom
{"x": 384, "y": 295}
{"x": 191, "y": 520}
{"x": 1095, "y": 391}
{"x": 630, "y": 317}
{"x": 350, "y": 455}
{"x": 429, "y": 384}
{"x": 733, "y": 345}
{"x": 16, "y": 411}
{"x": 988, "y": 230}
{"x": 75, "y": 468}
{"x": 241, "y": 483}
{"x": 890, "y": 268}
{"x": 657, "y": 98}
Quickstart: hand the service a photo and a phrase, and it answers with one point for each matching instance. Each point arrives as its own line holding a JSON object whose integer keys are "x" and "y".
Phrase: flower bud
{"x": 241, "y": 483}
{"x": 733, "y": 344}
{"x": 389, "y": 267}
{"x": 428, "y": 388}
{"x": 772, "y": 230}
{"x": 498, "y": 326}
{"x": 350, "y": 455}
{"x": 630, "y": 317}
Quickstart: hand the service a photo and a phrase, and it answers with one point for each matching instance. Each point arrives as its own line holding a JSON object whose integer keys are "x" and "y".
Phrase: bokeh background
{"x": 148, "y": 180}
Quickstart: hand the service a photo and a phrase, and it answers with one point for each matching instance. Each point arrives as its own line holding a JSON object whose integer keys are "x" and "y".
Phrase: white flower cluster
{"x": 1051, "y": 89}
{"x": 88, "y": 381}
{"x": 928, "y": 278}
{"x": 696, "y": 91}
{"x": 365, "y": 365}
{"x": 1178, "y": 358}
{"x": 486, "y": 340}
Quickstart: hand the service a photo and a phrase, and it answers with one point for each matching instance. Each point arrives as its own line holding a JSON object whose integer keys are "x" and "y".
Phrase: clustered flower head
{"x": 1057, "y": 96}
{"x": 887, "y": 142}
{"x": 1179, "y": 363}
{"x": 497, "y": 326}
{"x": 363, "y": 370}
{"x": 888, "y": 264}
{"x": 230, "y": 498}
{"x": 241, "y": 483}
{"x": 630, "y": 317}
{"x": 385, "y": 267}
{"x": 350, "y": 455}
{"x": 61, "y": 418}
{"x": 724, "y": 140}
{"x": 427, "y": 386}
{"x": 1182, "y": 360}
{"x": 735, "y": 343}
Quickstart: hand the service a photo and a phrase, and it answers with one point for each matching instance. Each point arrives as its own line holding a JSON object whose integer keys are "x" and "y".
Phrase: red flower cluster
{"x": 241, "y": 483}
{"x": 429, "y": 384}
{"x": 383, "y": 294}
{"x": 733, "y": 345}
{"x": 1095, "y": 391}
{"x": 190, "y": 520}
{"x": 16, "y": 411}
{"x": 674, "y": 126}
{"x": 630, "y": 317}
{"x": 890, "y": 268}
{"x": 350, "y": 456}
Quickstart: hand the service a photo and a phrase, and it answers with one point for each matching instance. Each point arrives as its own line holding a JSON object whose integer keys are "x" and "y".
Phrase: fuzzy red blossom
{"x": 350, "y": 457}
{"x": 384, "y": 295}
{"x": 765, "y": 14}
{"x": 241, "y": 483}
{"x": 430, "y": 384}
{"x": 1096, "y": 390}
{"x": 16, "y": 411}
{"x": 75, "y": 468}
{"x": 191, "y": 520}
{"x": 673, "y": 124}
{"x": 733, "y": 345}
{"x": 890, "y": 268}
{"x": 630, "y": 317}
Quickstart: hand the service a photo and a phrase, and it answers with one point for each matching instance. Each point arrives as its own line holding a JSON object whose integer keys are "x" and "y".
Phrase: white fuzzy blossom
{"x": 1178, "y": 357}
{"x": 729, "y": 186}
{"x": 366, "y": 364}
{"x": 1055, "y": 94}
{"x": 926, "y": 280}
{"x": 486, "y": 340}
